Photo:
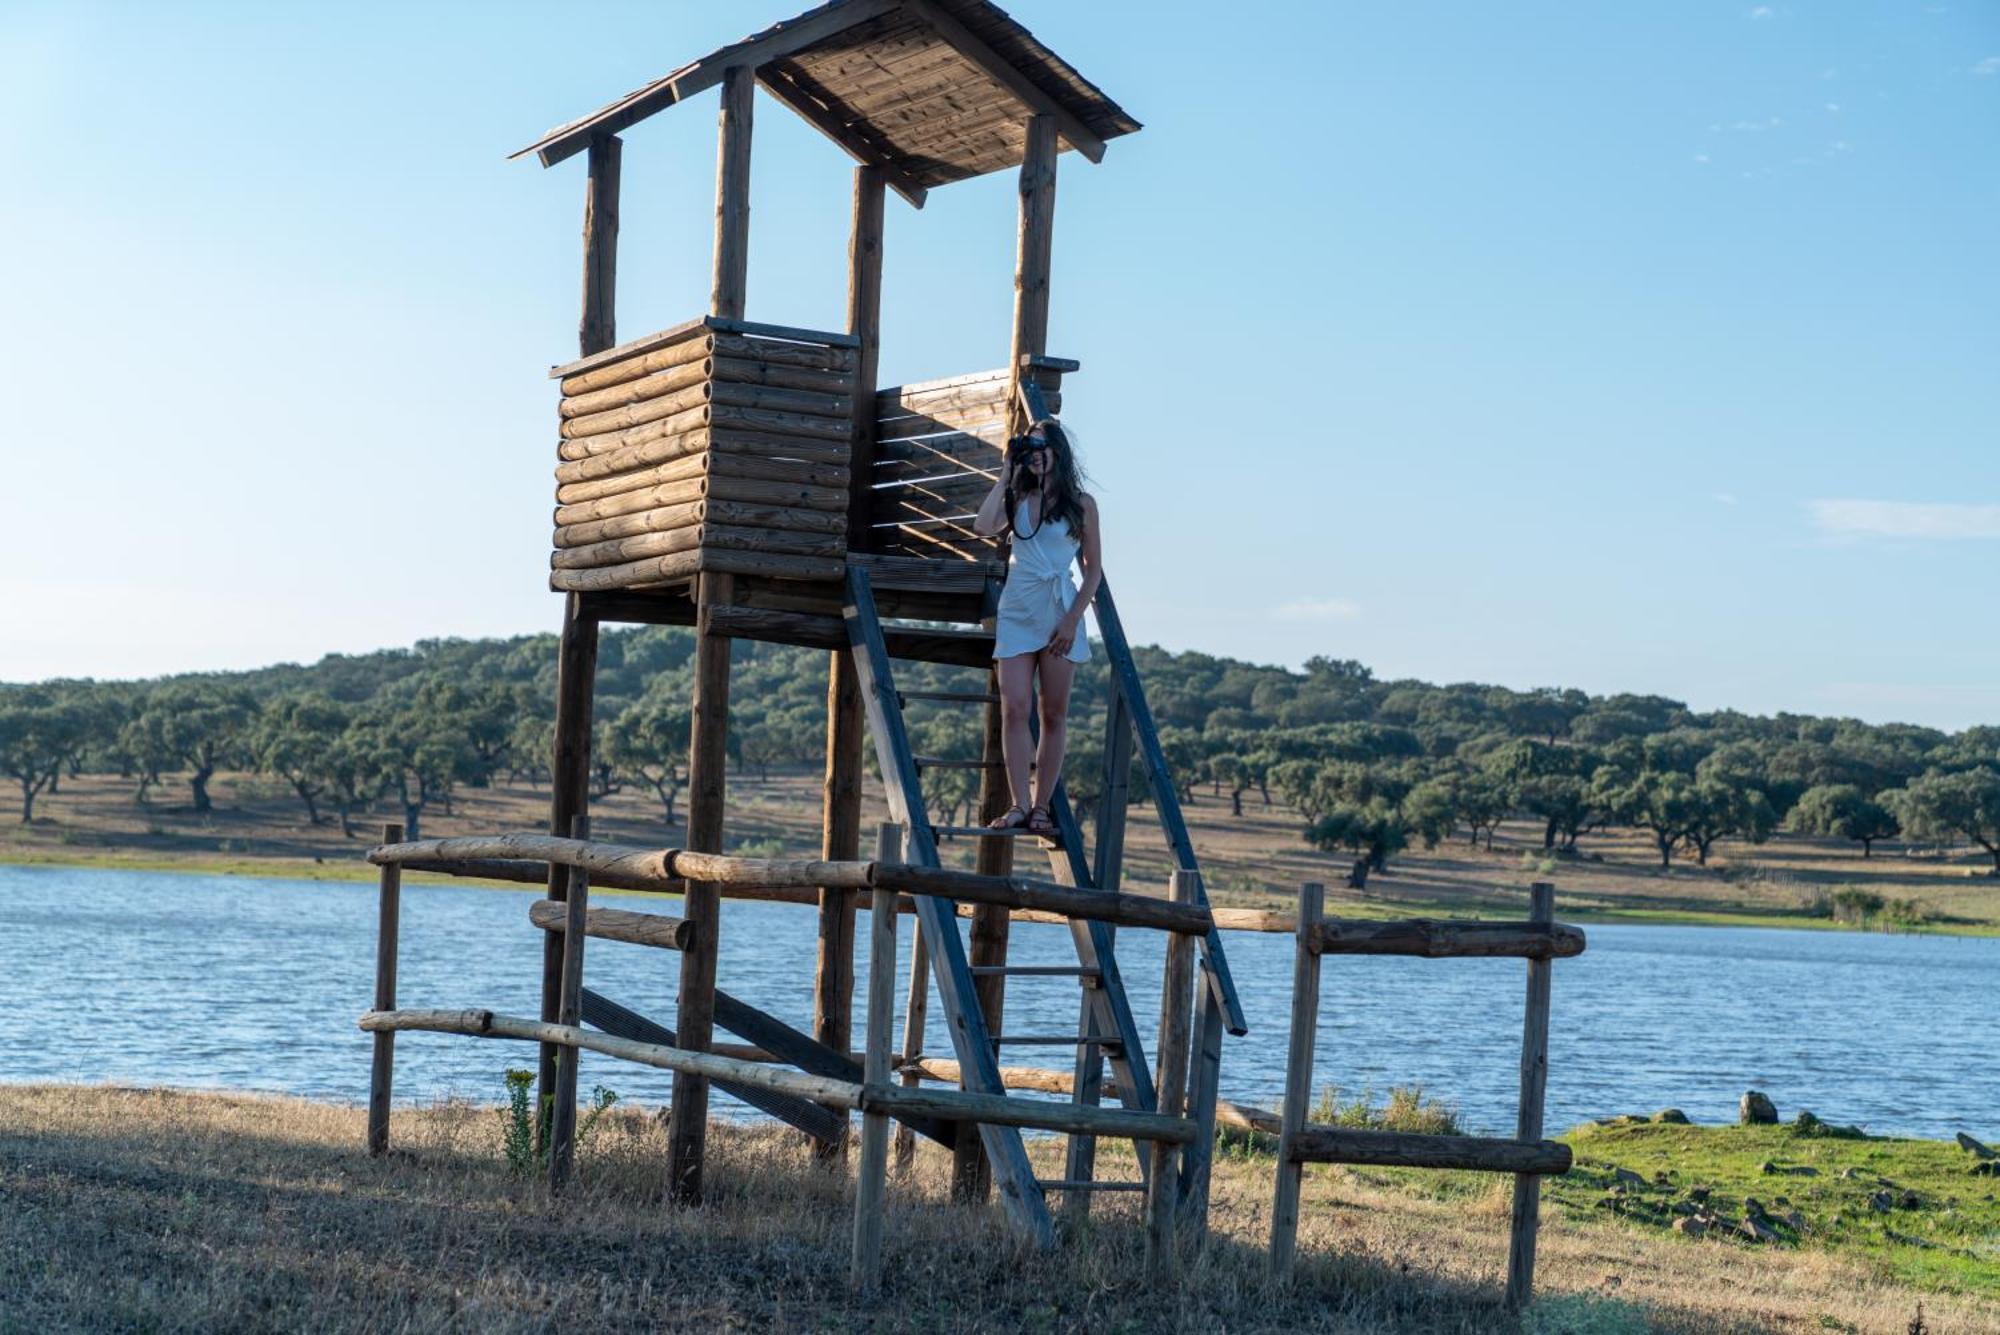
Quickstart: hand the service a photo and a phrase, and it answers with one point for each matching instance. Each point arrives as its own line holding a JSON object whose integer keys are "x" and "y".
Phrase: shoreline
{"x": 357, "y": 871}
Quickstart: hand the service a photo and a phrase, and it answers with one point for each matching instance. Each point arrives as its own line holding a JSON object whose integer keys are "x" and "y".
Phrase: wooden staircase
{"x": 1106, "y": 1033}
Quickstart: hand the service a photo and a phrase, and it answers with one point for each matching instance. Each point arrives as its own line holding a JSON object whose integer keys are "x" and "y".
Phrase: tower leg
{"x": 569, "y": 797}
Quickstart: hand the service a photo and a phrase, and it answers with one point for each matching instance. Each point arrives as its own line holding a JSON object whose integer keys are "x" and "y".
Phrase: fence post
{"x": 1298, "y": 1078}
{"x": 388, "y": 922}
{"x": 1534, "y": 1086}
{"x": 569, "y": 1010}
{"x": 871, "y": 1186}
{"x": 1176, "y": 1004}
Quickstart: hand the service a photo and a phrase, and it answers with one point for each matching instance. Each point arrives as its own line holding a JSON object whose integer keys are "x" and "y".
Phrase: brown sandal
{"x": 1041, "y": 822}
{"x": 1013, "y": 818}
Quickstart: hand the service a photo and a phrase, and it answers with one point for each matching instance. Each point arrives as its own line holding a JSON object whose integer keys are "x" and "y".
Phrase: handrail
{"x": 667, "y": 869}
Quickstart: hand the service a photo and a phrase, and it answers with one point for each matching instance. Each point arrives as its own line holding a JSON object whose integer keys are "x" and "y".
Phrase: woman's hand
{"x": 1064, "y": 639}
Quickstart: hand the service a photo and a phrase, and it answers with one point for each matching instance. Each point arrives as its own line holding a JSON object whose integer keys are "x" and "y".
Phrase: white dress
{"x": 1038, "y": 592}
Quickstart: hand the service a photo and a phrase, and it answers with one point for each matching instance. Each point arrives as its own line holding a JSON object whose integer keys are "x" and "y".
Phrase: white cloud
{"x": 1316, "y": 609}
{"x": 1905, "y": 519}
{"x": 1988, "y": 67}
{"x": 1725, "y": 498}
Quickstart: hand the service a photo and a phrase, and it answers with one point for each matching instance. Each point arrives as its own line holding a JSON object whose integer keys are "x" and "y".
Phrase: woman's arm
{"x": 992, "y": 516}
{"x": 1089, "y": 555}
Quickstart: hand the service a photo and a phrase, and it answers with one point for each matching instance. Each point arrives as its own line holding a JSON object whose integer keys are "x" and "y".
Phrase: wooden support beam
{"x": 569, "y": 797}
{"x": 811, "y": 1118}
{"x": 1446, "y": 938}
{"x": 1399, "y": 1149}
{"x": 597, "y": 329}
{"x": 687, "y": 1125}
{"x": 1034, "y": 243}
{"x": 774, "y": 43}
{"x": 1527, "y": 1212}
{"x": 732, "y": 193}
{"x": 781, "y": 83}
{"x": 864, "y": 322}
{"x": 914, "y": 1015}
{"x": 569, "y": 1011}
{"x": 639, "y": 929}
{"x": 1298, "y": 1082}
{"x": 872, "y": 1177}
{"x": 971, "y": 1177}
{"x": 388, "y": 930}
{"x": 1176, "y": 1001}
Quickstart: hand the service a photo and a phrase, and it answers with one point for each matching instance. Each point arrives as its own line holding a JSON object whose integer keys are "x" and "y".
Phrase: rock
{"x": 1698, "y": 1194}
{"x": 1796, "y": 1222}
{"x": 1756, "y": 1109}
{"x": 1881, "y": 1202}
{"x": 1970, "y": 1145}
{"x": 1753, "y": 1207}
{"x": 1849, "y": 1173}
{"x": 1756, "y": 1230}
{"x": 1909, "y": 1200}
{"x": 1690, "y": 1226}
{"x": 1985, "y": 1168}
{"x": 1627, "y": 1177}
{"x": 1671, "y": 1117}
{"x": 1767, "y": 1168}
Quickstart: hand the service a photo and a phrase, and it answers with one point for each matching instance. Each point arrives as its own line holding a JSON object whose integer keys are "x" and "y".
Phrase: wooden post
{"x": 846, "y": 738}
{"x": 872, "y": 1185}
{"x": 1298, "y": 1080}
{"x": 598, "y": 327}
{"x": 732, "y": 193}
{"x": 1162, "y": 1191}
{"x": 1107, "y": 869}
{"x": 914, "y": 1015}
{"x": 569, "y": 1010}
{"x": 569, "y": 797}
{"x": 388, "y": 927}
{"x": 972, "y": 1176}
{"x": 1034, "y": 245}
{"x": 1528, "y": 1124}
{"x": 687, "y": 1120}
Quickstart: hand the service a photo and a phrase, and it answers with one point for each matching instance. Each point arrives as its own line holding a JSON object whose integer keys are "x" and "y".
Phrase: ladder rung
{"x": 986, "y": 832}
{"x": 942, "y": 762}
{"x": 954, "y": 697}
{"x": 1038, "y": 970}
{"x": 1060, "y": 1040}
{"x": 1065, "y": 1184}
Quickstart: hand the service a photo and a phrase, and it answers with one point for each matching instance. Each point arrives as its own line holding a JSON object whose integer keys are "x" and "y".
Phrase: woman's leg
{"x": 1017, "y": 683}
{"x": 1057, "y": 672}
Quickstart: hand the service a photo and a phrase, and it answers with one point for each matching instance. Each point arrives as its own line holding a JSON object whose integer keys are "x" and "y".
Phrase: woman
{"x": 1054, "y": 523}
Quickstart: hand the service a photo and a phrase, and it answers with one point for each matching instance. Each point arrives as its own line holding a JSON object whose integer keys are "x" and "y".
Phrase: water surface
{"x": 237, "y": 983}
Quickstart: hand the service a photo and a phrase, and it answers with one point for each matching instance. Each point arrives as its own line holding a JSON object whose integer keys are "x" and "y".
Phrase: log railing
{"x": 1540, "y": 940}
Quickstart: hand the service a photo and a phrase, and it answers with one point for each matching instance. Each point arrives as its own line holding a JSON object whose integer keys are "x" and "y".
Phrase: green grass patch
{"x": 1913, "y": 1210}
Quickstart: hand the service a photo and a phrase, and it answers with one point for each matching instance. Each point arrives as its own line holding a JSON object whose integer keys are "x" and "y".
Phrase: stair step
{"x": 986, "y": 832}
{"x": 1065, "y": 1184}
{"x": 943, "y": 762}
{"x": 1037, "y": 970}
{"x": 953, "y": 697}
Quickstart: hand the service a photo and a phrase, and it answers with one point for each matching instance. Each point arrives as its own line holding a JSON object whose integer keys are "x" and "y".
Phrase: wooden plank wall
{"x": 938, "y": 450}
{"x": 720, "y": 452}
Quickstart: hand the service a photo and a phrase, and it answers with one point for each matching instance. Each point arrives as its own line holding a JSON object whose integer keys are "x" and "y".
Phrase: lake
{"x": 237, "y": 983}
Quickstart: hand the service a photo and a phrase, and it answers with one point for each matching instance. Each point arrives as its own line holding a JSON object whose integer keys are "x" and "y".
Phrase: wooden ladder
{"x": 1106, "y": 1027}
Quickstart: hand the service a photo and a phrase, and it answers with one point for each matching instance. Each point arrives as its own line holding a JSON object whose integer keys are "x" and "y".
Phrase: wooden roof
{"x": 931, "y": 91}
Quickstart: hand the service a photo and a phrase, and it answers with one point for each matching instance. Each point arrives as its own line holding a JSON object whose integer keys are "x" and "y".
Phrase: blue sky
{"x": 1629, "y": 346}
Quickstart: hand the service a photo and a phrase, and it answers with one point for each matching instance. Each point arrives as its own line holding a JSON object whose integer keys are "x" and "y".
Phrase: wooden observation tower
{"x": 752, "y": 480}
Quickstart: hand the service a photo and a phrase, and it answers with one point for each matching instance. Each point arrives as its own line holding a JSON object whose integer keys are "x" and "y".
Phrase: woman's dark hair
{"x": 1062, "y": 488}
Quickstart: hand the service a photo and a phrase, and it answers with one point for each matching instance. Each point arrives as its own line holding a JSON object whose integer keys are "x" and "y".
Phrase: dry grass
{"x": 1255, "y": 860}
{"x": 166, "y": 1211}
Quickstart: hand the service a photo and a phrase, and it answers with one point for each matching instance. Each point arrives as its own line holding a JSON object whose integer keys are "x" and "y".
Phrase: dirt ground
{"x": 1256, "y": 860}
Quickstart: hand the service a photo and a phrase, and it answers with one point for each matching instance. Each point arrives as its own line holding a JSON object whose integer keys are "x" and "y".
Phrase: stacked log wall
{"x": 706, "y": 449}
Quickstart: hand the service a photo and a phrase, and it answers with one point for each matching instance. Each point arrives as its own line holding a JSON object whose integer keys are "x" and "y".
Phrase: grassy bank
{"x": 1254, "y": 860}
{"x": 162, "y": 1210}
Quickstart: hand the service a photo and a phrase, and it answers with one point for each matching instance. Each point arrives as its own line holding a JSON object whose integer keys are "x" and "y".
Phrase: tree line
{"x": 1369, "y": 766}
